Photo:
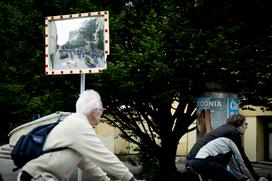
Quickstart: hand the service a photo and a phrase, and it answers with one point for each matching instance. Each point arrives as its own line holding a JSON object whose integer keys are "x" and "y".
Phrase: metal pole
{"x": 82, "y": 88}
{"x": 79, "y": 174}
{"x": 82, "y": 83}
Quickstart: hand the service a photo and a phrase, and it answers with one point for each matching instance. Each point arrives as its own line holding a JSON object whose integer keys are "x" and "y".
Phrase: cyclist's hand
{"x": 262, "y": 179}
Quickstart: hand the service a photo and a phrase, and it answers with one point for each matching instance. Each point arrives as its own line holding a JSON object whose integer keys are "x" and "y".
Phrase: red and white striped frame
{"x": 48, "y": 66}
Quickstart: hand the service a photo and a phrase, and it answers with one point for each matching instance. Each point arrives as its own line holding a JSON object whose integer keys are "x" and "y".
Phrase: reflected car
{"x": 63, "y": 55}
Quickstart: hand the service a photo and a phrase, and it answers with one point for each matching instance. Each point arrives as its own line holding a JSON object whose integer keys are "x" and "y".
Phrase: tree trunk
{"x": 167, "y": 159}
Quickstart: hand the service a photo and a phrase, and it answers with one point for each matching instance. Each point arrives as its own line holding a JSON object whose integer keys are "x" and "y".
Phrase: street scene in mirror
{"x": 77, "y": 43}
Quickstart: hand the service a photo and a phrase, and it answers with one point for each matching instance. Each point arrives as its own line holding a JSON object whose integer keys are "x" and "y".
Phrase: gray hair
{"x": 87, "y": 101}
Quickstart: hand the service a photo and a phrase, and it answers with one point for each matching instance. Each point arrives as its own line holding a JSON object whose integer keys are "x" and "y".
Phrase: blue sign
{"x": 233, "y": 106}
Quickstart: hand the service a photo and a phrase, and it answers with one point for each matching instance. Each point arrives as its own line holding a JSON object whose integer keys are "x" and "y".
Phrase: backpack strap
{"x": 55, "y": 149}
{"x": 60, "y": 118}
{"x": 15, "y": 169}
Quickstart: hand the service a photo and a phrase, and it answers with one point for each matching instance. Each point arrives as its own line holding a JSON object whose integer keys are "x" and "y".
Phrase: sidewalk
{"x": 6, "y": 166}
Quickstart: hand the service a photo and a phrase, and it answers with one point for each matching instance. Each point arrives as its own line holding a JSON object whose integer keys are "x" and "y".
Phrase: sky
{"x": 65, "y": 26}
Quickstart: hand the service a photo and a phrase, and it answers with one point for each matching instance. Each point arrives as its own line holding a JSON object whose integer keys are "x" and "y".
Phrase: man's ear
{"x": 95, "y": 114}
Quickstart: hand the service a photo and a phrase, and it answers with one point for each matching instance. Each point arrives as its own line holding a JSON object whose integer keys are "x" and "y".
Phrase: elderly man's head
{"x": 89, "y": 103}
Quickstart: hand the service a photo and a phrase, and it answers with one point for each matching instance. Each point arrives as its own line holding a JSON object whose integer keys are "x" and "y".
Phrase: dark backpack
{"x": 30, "y": 145}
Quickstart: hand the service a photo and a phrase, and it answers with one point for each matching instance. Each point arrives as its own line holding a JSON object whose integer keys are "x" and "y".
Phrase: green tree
{"x": 24, "y": 89}
{"x": 168, "y": 51}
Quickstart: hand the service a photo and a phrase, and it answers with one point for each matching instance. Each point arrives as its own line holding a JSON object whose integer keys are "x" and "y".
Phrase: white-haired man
{"x": 85, "y": 149}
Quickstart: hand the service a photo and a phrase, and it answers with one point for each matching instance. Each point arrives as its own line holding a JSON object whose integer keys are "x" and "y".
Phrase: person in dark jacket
{"x": 212, "y": 159}
{"x": 233, "y": 129}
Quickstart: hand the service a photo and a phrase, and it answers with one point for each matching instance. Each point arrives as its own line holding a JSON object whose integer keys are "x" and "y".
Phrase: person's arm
{"x": 237, "y": 140}
{"x": 90, "y": 146}
{"x": 238, "y": 163}
{"x": 94, "y": 171}
{"x": 236, "y": 170}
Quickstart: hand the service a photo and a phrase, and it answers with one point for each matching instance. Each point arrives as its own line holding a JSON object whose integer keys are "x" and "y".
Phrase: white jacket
{"x": 221, "y": 146}
{"x": 86, "y": 151}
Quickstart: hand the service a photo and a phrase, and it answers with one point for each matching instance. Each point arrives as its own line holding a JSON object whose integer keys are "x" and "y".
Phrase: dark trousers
{"x": 210, "y": 170}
